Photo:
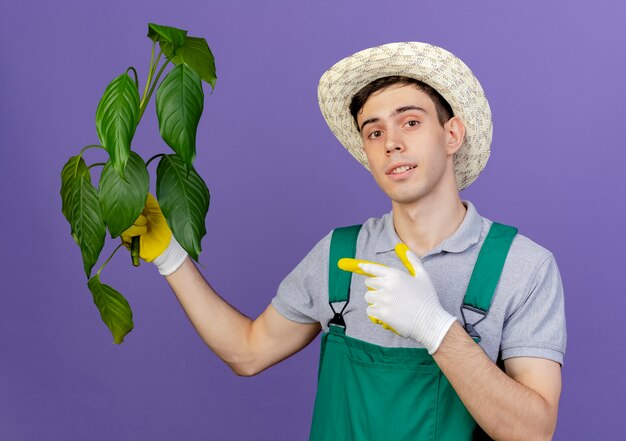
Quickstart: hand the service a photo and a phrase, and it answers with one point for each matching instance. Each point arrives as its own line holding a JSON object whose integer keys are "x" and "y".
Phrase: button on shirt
{"x": 526, "y": 317}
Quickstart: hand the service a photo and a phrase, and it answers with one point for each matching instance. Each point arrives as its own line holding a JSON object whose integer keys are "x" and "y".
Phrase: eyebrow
{"x": 394, "y": 113}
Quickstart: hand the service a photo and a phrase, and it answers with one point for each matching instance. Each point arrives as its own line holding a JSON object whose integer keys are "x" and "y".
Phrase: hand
{"x": 405, "y": 302}
{"x": 352, "y": 265}
{"x": 157, "y": 243}
{"x": 153, "y": 230}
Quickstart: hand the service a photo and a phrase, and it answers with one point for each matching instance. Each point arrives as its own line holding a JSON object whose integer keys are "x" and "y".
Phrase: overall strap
{"x": 342, "y": 244}
{"x": 486, "y": 273}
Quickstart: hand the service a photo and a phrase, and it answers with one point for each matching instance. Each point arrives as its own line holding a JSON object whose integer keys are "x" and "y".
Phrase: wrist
{"x": 171, "y": 258}
{"x": 443, "y": 326}
{"x": 431, "y": 327}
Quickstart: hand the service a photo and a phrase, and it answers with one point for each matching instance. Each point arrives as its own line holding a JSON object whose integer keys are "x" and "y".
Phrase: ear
{"x": 455, "y": 134}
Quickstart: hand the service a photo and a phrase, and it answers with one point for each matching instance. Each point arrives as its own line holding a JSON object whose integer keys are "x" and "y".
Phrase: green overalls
{"x": 370, "y": 392}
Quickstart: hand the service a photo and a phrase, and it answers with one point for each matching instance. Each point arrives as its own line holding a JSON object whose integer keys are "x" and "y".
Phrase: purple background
{"x": 552, "y": 71}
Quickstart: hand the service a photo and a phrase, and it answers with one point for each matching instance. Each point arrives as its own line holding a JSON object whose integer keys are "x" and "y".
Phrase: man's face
{"x": 410, "y": 154}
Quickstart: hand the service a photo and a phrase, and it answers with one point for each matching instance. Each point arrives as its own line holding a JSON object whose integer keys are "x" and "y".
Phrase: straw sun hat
{"x": 430, "y": 64}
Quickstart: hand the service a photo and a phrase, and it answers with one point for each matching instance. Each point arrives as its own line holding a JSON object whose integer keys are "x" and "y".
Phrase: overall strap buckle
{"x": 470, "y": 328}
{"x": 337, "y": 320}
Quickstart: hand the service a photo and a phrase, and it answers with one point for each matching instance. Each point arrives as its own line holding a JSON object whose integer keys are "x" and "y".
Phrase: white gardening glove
{"x": 171, "y": 259}
{"x": 405, "y": 303}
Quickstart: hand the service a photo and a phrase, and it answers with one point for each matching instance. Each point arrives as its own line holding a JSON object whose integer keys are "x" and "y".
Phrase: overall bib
{"x": 370, "y": 392}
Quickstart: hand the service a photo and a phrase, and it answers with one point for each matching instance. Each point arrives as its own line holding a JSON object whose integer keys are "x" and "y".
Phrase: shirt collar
{"x": 465, "y": 236}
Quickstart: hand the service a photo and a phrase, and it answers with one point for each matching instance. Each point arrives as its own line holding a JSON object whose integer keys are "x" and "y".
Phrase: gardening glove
{"x": 352, "y": 265}
{"x": 405, "y": 302}
{"x": 157, "y": 243}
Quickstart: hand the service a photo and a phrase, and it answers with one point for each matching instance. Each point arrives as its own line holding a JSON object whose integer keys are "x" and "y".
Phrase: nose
{"x": 393, "y": 142}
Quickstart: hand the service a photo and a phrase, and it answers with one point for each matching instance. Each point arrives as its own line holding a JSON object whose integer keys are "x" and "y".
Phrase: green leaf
{"x": 116, "y": 119}
{"x": 196, "y": 54}
{"x": 167, "y": 34}
{"x": 184, "y": 200}
{"x": 72, "y": 173}
{"x": 122, "y": 200}
{"x": 88, "y": 227}
{"x": 114, "y": 309}
{"x": 179, "y": 104}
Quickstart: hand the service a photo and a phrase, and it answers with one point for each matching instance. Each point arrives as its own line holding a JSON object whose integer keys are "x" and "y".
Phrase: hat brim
{"x": 430, "y": 64}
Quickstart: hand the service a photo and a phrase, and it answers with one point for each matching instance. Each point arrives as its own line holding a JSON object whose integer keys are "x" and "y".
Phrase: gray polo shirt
{"x": 526, "y": 317}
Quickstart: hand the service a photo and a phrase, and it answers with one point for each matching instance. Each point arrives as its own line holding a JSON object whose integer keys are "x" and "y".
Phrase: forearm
{"x": 503, "y": 407}
{"x": 224, "y": 329}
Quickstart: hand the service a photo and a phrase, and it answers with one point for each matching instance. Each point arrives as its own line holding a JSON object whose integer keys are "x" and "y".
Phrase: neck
{"x": 425, "y": 223}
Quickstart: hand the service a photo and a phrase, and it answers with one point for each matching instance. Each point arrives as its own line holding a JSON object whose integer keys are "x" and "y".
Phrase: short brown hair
{"x": 444, "y": 111}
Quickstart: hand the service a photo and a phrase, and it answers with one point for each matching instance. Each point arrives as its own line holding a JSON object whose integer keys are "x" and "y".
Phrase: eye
{"x": 413, "y": 123}
{"x": 375, "y": 134}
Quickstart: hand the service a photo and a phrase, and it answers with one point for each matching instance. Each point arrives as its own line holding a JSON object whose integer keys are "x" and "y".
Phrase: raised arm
{"x": 247, "y": 346}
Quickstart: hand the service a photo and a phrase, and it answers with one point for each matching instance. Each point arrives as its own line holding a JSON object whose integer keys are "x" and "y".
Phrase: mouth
{"x": 401, "y": 169}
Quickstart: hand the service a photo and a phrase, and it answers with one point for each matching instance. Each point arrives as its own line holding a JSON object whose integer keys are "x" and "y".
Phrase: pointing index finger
{"x": 353, "y": 266}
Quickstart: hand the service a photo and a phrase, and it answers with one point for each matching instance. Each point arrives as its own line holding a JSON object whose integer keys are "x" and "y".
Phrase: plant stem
{"x": 92, "y": 146}
{"x": 150, "y": 72}
{"x": 156, "y": 62}
{"x": 147, "y": 98}
{"x": 134, "y": 250}
{"x": 96, "y": 163}
{"x": 107, "y": 261}
{"x": 136, "y": 78}
{"x": 154, "y": 157}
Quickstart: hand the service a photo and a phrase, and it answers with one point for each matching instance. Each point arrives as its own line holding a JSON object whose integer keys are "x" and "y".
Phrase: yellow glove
{"x": 153, "y": 230}
{"x": 352, "y": 265}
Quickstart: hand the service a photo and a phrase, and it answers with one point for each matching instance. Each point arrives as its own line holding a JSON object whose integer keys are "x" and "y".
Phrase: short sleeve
{"x": 537, "y": 327}
{"x": 300, "y": 293}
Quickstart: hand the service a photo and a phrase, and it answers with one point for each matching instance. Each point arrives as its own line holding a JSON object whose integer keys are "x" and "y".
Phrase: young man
{"x": 429, "y": 342}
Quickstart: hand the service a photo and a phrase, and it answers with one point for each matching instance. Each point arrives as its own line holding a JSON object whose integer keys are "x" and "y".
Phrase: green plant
{"x": 123, "y": 186}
